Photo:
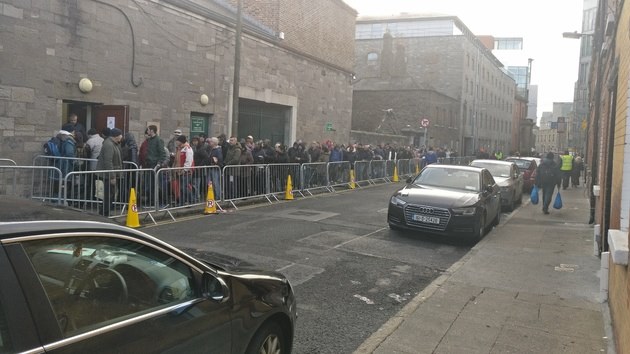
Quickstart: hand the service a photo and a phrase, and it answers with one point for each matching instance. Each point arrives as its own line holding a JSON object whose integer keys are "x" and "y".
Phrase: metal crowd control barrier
{"x": 389, "y": 170}
{"x": 361, "y": 172}
{"x": 338, "y": 174}
{"x": 378, "y": 171}
{"x": 36, "y": 182}
{"x": 241, "y": 182}
{"x": 314, "y": 176}
{"x": 277, "y": 176}
{"x": 7, "y": 162}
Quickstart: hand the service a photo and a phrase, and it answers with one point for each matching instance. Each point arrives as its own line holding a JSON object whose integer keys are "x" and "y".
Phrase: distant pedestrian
{"x": 566, "y": 168}
{"x": 546, "y": 179}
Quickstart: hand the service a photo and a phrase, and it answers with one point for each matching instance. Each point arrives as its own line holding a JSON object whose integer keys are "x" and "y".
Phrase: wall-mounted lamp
{"x": 85, "y": 85}
{"x": 203, "y": 99}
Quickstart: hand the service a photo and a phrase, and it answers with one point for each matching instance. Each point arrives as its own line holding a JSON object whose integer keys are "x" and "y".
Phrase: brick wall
{"x": 619, "y": 277}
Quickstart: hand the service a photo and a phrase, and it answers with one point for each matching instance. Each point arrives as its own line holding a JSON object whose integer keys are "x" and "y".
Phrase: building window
{"x": 372, "y": 58}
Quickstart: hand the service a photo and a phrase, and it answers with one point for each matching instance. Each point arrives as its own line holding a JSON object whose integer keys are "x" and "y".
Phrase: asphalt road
{"x": 349, "y": 271}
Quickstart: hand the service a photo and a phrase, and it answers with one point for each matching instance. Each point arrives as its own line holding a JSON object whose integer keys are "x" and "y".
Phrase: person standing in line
{"x": 546, "y": 179}
{"x": 155, "y": 158}
{"x": 110, "y": 160}
{"x": 232, "y": 158}
{"x": 95, "y": 142}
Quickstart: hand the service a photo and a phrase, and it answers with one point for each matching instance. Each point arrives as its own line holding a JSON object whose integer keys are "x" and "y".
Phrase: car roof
{"x": 21, "y": 216}
{"x": 455, "y": 167}
{"x": 496, "y": 162}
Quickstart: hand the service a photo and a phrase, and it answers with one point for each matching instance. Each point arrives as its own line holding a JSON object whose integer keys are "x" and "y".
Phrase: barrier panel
{"x": 241, "y": 182}
{"x": 378, "y": 170}
{"x": 36, "y": 182}
{"x": 389, "y": 170}
{"x": 338, "y": 174}
{"x": 314, "y": 175}
{"x": 361, "y": 172}
{"x": 277, "y": 175}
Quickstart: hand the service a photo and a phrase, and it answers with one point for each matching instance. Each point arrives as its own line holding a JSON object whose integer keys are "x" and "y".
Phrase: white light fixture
{"x": 203, "y": 99}
{"x": 85, "y": 85}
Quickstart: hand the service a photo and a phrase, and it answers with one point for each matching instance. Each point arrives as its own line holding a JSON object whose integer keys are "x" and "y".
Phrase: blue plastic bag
{"x": 534, "y": 195}
{"x": 557, "y": 204}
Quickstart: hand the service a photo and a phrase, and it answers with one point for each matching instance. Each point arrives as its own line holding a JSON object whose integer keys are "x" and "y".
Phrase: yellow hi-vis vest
{"x": 567, "y": 163}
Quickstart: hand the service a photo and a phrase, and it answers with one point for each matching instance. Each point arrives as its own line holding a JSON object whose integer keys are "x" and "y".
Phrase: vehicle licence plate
{"x": 427, "y": 219}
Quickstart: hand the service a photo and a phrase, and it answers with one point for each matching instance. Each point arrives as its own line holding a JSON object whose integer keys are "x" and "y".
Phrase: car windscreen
{"x": 496, "y": 170}
{"x": 449, "y": 178}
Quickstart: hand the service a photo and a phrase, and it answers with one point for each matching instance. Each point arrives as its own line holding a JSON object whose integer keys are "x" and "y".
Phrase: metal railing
{"x": 69, "y": 181}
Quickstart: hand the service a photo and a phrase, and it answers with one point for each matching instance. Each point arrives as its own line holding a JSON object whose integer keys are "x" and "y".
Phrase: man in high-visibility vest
{"x": 566, "y": 168}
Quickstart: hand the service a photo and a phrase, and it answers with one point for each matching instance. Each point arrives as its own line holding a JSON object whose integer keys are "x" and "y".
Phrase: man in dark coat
{"x": 546, "y": 179}
{"x": 110, "y": 160}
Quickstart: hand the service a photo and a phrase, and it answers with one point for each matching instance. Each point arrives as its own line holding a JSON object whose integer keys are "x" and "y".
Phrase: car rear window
{"x": 522, "y": 164}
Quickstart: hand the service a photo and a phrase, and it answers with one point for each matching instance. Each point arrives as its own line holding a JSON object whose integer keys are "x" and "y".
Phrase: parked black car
{"x": 92, "y": 287}
{"x": 448, "y": 200}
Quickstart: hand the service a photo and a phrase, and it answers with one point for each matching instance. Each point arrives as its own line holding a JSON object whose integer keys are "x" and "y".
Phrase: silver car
{"x": 509, "y": 179}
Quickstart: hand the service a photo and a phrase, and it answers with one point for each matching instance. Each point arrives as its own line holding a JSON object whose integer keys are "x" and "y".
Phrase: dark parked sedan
{"x": 447, "y": 200}
{"x": 91, "y": 287}
{"x": 509, "y": 179}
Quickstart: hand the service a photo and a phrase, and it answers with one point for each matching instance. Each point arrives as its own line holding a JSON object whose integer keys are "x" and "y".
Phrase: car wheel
{"x": 480, "y": 229}
{"x": 497, "y": 219}
{"x": 268, "y": 340}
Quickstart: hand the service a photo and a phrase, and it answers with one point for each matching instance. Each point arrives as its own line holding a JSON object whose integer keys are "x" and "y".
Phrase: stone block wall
{"x": 157, "y": 59}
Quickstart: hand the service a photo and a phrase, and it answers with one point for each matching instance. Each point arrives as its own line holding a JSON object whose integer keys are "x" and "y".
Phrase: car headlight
{"x": 464, "y": 211}
{"x": 397, "y": 201}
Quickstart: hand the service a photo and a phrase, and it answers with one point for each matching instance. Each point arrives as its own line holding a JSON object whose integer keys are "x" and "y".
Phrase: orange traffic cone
{"x": 288, "y": 194}
{"x": 352, "y": 184}
{"x": 132, "y": 210}
{"x": 395, "y": 178}
{"x": 211, "y": 205}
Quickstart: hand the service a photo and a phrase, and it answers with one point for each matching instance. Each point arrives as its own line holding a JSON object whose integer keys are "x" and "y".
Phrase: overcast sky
{"x": 539, "y": 22}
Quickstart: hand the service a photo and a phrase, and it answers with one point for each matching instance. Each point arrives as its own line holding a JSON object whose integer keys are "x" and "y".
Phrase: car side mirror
{"x": 409, "y": 180}
{"x": 214, "y": 288}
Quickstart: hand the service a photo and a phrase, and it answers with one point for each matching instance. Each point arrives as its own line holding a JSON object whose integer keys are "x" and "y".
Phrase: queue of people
{"x": 112, "y": 150}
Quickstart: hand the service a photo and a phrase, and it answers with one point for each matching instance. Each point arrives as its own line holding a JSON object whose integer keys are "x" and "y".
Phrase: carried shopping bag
{"x": 99, "y": 190}
{"x": 534, "y": 195}
{"x": 557, "y": 204}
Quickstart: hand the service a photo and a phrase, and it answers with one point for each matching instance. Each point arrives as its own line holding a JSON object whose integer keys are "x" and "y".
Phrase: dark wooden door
{"x": 119, "y": 115}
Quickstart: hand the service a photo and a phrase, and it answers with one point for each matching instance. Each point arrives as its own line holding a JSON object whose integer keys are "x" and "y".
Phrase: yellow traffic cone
{"x": 211, "y": 205}
{"x": 395, "y": 179}
{"x": 352, "y": 182}
{"x": 132, "y": 210}
{"x": 288, "y": 194}
{"x": 417, "y": 168}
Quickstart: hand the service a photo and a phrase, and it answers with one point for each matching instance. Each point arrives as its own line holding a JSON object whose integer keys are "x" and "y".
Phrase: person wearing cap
{"x": 249, "y": 143}
{"x": 110, "y": 161}
{"x": 171, "y": 143}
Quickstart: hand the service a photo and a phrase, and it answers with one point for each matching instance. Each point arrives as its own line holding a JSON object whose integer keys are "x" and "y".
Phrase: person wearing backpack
{"x": 546, "y": 179}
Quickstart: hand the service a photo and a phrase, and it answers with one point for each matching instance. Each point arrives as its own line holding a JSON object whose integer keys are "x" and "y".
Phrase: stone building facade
{"x": 439, "y": 54}
{"x": 171, "y": 63}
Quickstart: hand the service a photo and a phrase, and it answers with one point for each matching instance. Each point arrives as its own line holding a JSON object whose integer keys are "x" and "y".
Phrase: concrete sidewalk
{"x": 530, "y": 286}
